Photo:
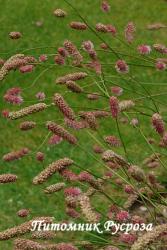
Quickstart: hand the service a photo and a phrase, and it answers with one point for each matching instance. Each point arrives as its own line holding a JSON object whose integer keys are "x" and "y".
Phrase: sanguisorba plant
{"x": 130, "y": 190}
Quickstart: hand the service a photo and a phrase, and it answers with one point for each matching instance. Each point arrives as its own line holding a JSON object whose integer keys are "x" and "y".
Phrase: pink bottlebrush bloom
{"x": 59, "y": 59}
{"x": 15, "y": 35}
{"x": 40, "y": 96}
{"x": 15, "y": 155}
{"x": 112, "y": 140}
{"x": 87, "y": 46}
{"x": 114, "y": 209}
{"x": 43, "y": 58}
{"x": 128, "y": 189}
{"x": 93, "y": 54}
{"x": 72, "y": 213}
{"x": 12, "y": 96}
{"x": 100, "y": 27}
{"x": 26, "y": 69}
{"x": 134, "y": 122}
{"x": 128, "y": 238}
{"x": 96, "y": 65}
{"x": 158, "y": 123}
{"x": 144, "y": 49}
{"x": 75, "y": 124}
{"x": 122, "y": 216}
{"x": 62, "y": 52}
{"x": 117, "y": 90}
{"x": 93, "y": 96}
{"x": 40, "y": 156}
{"x": 14, "y": 91}
{"x": 23, "y": 212}
{"x": 108, "y": 174}
{"x": 111, "y": 29}
{"x": 5, "y": 113}
{"x": 78, "y": 26}
{"x": 103, "y": 46}
{"x": 85, "y": 176}
{"x": 13, "y": 99}
{"x": 55, "y": 139}
{"x": 73, "y": 52}
{"x": 121, "y": 67}
{"x": 160, "y": 65}
{"x": 69, "y": 175}
{"x": 114, "y": 106}
{"x": 72, "y": 191}
{"x": 129, "y": 32}
{"x": 105, "y": 6}
{"x": 27, "y": 125}
{"x": 60, "y": 13}
{"x": 98, "y": 149}
{"x": 24, "y": 151}
{"x": 63, "y": 106}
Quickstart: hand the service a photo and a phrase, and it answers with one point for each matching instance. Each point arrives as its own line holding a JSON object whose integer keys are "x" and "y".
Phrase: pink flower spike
{"x": 128, "y": 238}
{"x": 111, "y": 29}
{"x": 13, "y": 99}
{"x": 14, "y": 91}
{"x": 72, "y": 191}
{"x": 134, "y": 122}
{"x": 129, "y": 189}
{"x": 144, "y": 49}
{"x": 87, "y": 46}
{"x": 40, "y": 156}
{"x": 160, "y": 66}
{"x": 85, "y": 176}
{"x": 40, "y": 96}
{"x": 122, "y": 216}
{"x": 105, "y": 6}
{"x": 117, "y": 90}
{"x": 122, "y": 67}
{"x": 55, "y": 139}
{"x": 59, "y": 59}
{"x": 62, "y": 52}
{"x": 5, "y": 113}
{"x": 158, "y": 123}
{"x": 43, "y": 58}
{"x": 26, "y": 69}
{"x": 129, "y": 32}
{"x": 114, "y": 106}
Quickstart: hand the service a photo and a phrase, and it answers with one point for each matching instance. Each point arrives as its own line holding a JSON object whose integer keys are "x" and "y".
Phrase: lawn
{"x": 22, "y": 15}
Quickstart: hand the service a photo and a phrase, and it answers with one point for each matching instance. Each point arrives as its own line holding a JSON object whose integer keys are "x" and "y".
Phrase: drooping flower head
{"x": 129, "y": 32}
{"x": 105, "y": 6}
{"x": 121, "y": 67}
{"x": 144, "y": 49}
{"x": 114, "y": 106}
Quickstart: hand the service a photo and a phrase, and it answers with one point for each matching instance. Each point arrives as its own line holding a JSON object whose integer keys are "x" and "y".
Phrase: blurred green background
{"x": 22, "y": 15}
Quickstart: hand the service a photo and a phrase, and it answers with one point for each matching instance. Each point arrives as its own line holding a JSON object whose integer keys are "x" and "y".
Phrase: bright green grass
{"x": 20, "y": 15}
